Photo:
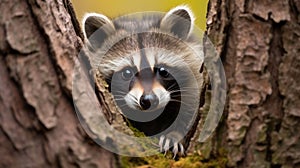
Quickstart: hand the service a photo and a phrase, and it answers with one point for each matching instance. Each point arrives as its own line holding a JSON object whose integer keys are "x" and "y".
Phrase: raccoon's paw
{"x": 177, "y": 147}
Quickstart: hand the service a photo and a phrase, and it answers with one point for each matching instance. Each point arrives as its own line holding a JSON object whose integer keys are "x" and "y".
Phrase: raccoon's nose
{"x": 148, "y": 101}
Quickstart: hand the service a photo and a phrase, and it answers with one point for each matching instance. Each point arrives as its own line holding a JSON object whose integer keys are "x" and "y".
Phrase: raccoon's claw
{"x": 161, "y": 141}
{"x": 176, "y": 150}
{"x": 164, "y": 146}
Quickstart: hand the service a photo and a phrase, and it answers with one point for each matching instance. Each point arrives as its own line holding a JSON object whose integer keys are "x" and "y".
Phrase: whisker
{"x": 133, "y": 98}
{"x": 123, "y": 105}
{"x": 118, "y": 95}
{"x": 182, "y": 96}
{"x": 171, "y": 87}
{"x": 178, "y": 101}
{"x": 164, "y": 96}
{"x": 122, "y": 92}
{"x": 174, "y": 91}
{"x": 185, "y": 87}
{"x": 119, "y": 99}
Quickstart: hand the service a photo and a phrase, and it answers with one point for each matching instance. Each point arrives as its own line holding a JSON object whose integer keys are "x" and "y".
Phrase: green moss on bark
{"x": 161, "y": 161}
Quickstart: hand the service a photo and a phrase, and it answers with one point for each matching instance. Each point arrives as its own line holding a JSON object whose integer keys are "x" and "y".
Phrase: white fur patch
{"x": 181, "y": 7}
{"x": 136, "y": 57}
{"x": 151, "y": 58}
{"x": 163, "y": 96}
{"x": 104, "y": 18}
{"x": 132, "y": 98}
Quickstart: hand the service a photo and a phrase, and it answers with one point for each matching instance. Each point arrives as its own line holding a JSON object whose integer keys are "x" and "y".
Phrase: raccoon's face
{"x": 143, "y": 86}
{"x": 143, "y": 59}
{"x": 146, "y": 82}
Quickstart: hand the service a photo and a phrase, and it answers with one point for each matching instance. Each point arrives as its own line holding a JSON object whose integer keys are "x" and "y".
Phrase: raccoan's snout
{"x": 148, "y": 101}
{"x": 147, "y": 95}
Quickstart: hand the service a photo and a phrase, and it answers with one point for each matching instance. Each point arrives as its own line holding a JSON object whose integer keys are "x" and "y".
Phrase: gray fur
{"x": 107, "y": 55}
{"x": 167, "y": 38}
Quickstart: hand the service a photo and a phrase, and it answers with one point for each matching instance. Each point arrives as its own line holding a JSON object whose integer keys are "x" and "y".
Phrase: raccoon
{"x": 151, "y": 62}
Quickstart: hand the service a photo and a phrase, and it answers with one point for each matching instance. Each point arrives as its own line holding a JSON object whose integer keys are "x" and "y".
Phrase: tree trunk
{"x": 38, "y": 126}
{"x": 258, "y": 42}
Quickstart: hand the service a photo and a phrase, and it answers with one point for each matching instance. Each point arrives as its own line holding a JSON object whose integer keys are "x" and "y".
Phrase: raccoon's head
{"x": 147, "y": 59}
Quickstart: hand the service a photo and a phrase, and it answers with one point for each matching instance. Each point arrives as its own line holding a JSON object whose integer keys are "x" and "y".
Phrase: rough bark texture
{"x": 259, "y": 43}
{"x": 38, "y": 125}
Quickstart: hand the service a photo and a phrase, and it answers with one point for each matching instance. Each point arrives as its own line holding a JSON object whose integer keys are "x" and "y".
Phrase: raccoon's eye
{"x": 163, "y": 72}
{"x": 127, "y": 73}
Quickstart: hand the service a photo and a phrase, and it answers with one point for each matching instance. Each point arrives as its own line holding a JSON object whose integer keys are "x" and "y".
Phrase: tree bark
{"x": 38, "y": 125}
{"x": 258, "y": 42}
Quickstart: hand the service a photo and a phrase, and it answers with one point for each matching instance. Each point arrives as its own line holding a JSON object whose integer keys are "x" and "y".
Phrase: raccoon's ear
{"x": 179, "y": 20}
{"x": 93, "y": 21}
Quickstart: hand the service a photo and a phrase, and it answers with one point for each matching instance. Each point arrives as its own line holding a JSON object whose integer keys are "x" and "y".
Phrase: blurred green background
{"x": 114, "y": 8}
